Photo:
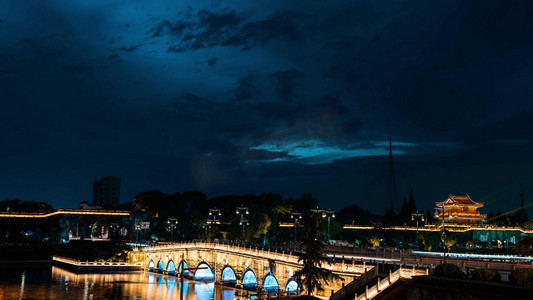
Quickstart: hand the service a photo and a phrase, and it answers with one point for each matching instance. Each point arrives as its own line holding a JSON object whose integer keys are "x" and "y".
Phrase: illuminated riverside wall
{"x": 489, "y": 234}
{"x": 504, "y": 236}
{"x": 70, "y": 223}
{"x": 239, "y": 259}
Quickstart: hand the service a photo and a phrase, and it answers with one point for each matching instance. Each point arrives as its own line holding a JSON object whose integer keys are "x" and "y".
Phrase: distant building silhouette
{"x": 106, "y": 191}
{"x": 85, "y": 205}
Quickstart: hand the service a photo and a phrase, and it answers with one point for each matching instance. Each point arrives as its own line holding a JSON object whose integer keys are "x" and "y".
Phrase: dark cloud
{"x": 246, "y": 89}
{"x": 114, "y": 57}
{"x": 43, "y": 50}
{"x": 515, "y": 131}
{"x": 282, "y": 25}
{"x": 206, "y": 29}
{"x": 77, "y": 68}
{"x": 429, "y": 75}
{"x": 286, "y": 82}
{"x": 451, "y": 80}
{"x": 173, "y": 28}
{"x": 212, "y": 61}
{"x": 131, "y": 48}
{"x": 332, "y": 104}
{"x": 288, "y": 112}
{"x": 209, "y": 29}
{"x": 177, "y": 49}
{"x": 192, "y": 108}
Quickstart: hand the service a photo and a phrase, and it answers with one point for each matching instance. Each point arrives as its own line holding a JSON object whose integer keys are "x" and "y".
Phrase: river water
{"x": 50, "y": 282}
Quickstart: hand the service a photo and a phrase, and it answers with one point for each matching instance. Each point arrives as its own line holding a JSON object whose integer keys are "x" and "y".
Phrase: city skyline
{"x": 269, "y": 96}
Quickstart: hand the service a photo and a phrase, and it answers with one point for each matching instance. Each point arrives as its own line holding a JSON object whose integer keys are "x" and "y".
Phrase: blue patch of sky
{"x": 318, "y": 152}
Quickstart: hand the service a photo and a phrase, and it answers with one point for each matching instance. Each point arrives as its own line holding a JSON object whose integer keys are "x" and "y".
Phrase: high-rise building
{"x": 106, "y": 191}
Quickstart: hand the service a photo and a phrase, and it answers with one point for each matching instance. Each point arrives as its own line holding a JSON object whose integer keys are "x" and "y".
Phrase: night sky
{"x": 234, "y": 97}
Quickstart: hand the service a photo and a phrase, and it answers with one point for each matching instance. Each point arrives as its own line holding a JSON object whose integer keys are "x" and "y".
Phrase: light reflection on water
{"x": 38, "y": 283}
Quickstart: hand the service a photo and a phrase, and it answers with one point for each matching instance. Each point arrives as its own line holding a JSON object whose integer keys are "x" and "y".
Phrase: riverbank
{"x": 27, "y": 262}
{"x": 82, "y": 250}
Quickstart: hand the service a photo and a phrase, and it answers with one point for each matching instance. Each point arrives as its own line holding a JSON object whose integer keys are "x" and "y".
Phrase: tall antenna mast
{"x": 522, "y": 196}
{"x": 393, "y": 194}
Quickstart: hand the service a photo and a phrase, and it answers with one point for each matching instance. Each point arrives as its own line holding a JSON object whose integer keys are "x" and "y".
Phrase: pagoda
{"x": 460, "y": 210}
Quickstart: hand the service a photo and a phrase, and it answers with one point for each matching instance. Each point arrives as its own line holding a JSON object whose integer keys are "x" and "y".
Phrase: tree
{"x": 355, "y": 215}
{"x": 490, "y": 217}
{"x": 17, "y": 205}
{"x": 151, "y": 202}
{"x": 524, "y": 247}
{"x": 429, "y": 240}
{"x": 450, "y": 241}
{"x": 374, "y": 241}
{"x": 312, "y": 275}
{"x": 407, "y": 209}
{"x": 429, "y": 217}
{"x": 498, "y": 217}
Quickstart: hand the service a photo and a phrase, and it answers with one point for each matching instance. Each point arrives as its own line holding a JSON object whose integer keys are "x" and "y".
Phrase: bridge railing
{"x": 388, "y": 281}
{"x": 76, "y": 262}
{"x": 252, "y": 251}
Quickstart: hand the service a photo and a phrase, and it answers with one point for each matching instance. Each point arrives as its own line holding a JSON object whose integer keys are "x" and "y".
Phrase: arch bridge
{"x": 248, "y": 268}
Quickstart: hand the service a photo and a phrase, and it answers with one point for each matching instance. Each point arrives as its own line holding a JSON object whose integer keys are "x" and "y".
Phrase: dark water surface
{"x": 50, "y": 282}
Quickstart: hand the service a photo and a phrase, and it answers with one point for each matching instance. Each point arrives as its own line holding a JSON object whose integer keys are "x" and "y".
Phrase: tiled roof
{"x": 460, "y": 201}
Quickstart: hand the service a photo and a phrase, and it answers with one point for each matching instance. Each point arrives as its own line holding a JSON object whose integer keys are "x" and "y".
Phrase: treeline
{"x": 259, "y": 217}
{"x": 17, "y": 205}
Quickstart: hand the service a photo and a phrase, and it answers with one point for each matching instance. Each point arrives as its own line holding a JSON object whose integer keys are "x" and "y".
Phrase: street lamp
{"x": 172, "y": 224}
{"x": 330, "y": 214}
{"x": 325, "y": 213}
{"x": 214, "y": 212}
{"x": 242, "y": 210}
{"x": 419, "y": 217}
{"x": 113, "y": 227}
{"x": 296, "y": 216}
{"x": 206, "y": 226}
{"x": 443, "y": 235}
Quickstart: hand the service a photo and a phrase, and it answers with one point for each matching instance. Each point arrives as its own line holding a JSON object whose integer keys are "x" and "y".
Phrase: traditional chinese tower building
{"x": 460, "y": 210}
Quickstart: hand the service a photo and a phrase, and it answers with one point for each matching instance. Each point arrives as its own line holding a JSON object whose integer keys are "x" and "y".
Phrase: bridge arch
{"x": 270, "y": 283}
{"x": 291, "y": 285}
{"x": 171, "y": 267}
{"x": 228, "y": 276}
{"x": 204, "y": 272}
{"x": 248, "y": 280}
{"x": 151, "y": 265}
{"x": 160, "y": 266}
{"x": 183, "y": 265}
